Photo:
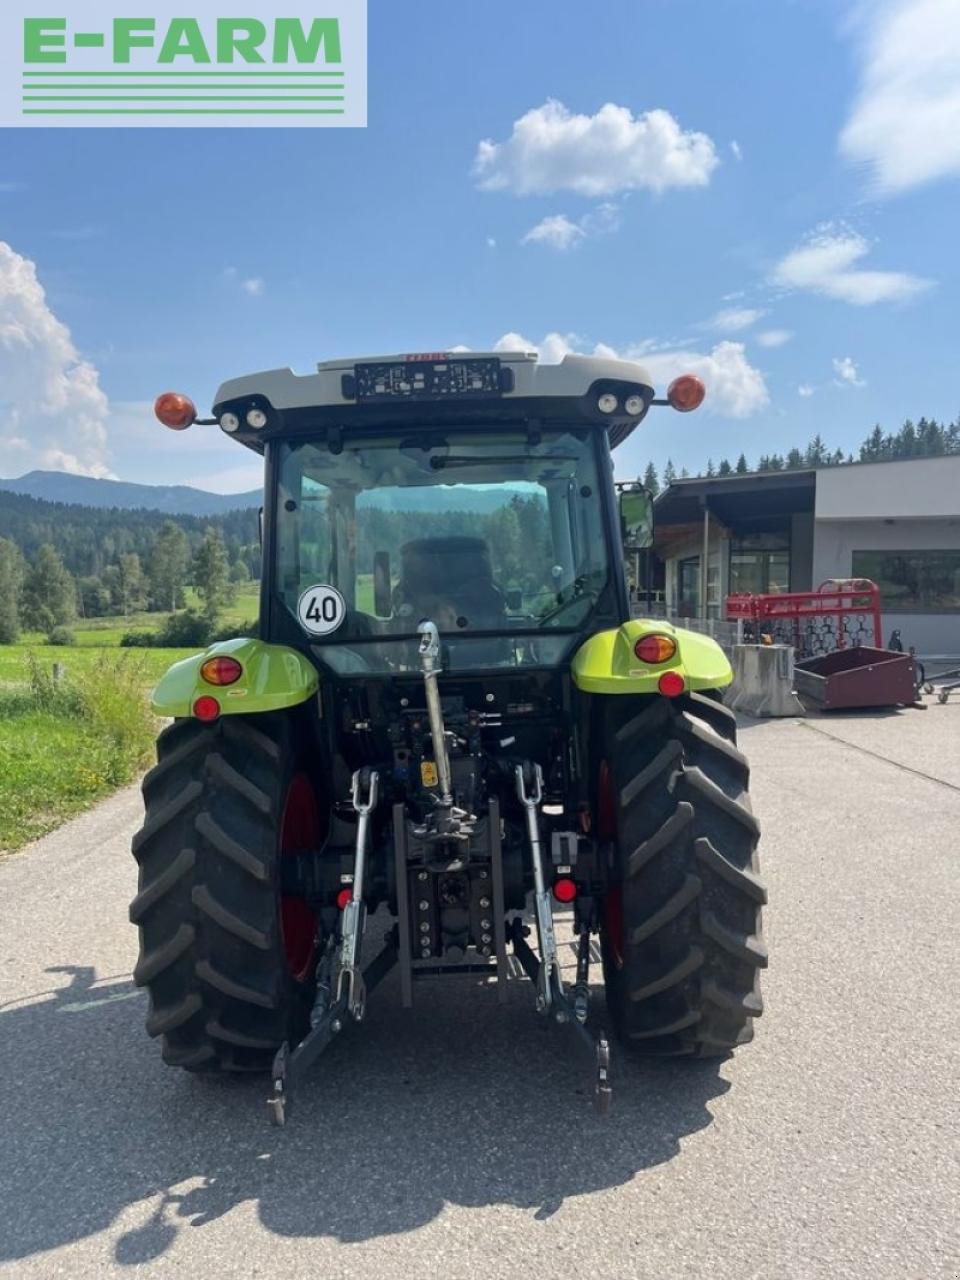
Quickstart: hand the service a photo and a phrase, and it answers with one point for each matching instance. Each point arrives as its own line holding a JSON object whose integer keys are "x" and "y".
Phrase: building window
{"x": 760, "y": 564}
{"x": 688, "y": 587}
{"x": 912, "y": 579}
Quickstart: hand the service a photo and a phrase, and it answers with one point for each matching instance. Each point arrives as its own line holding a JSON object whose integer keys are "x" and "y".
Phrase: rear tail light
{"x": 564, "y": 889}
{"x": 206, "y": 708}
{"x": 175, "y": 411}
{"x": 343, "y": 897}
{"x": 655, "y": 648}
{"x": 221, "y": 671}
{"x": 686, "y": 393}
{"x": 671, "y": 684}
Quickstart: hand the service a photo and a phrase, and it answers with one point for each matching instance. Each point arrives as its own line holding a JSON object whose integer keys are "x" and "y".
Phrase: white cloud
{"x": 736, "y": 150}
{"x": 905, "y": 121}
{"x": 826, "y": 264}
{"x": 805, "y": 390}
{"x": 735, "y": 389}
{"x": 49, "y": 395}
{"x": 559, "y": 232}
{"x": 491, "y": 243}
{"x": 736, "y": 319}
{"x": 774, "y": 337}
{"x": 847, "y": 373}
{"x": 252, "y": 286}
{"x": 552, "y": 149}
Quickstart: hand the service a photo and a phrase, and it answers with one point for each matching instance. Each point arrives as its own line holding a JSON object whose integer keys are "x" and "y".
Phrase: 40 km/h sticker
{"x": 321, "y": 609}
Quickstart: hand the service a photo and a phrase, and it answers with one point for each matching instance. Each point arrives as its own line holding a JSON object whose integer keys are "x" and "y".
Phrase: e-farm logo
{"x": 102, "y": 63}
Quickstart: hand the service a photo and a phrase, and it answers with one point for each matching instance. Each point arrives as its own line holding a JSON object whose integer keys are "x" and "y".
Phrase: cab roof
{"x": 436, "y": 387}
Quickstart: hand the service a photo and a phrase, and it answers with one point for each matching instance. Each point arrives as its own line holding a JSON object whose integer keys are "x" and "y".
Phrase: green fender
{"x": 606, "y": 663}
{"x": 274, "y": 678}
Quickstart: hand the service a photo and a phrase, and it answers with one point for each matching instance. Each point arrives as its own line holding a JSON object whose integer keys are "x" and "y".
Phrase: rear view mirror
{"x": 636, "y": 519}
{"x": 382, "y": 595}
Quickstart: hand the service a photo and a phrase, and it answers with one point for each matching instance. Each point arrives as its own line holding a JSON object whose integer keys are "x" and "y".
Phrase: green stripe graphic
{"x": 206, "y": 89}
{"x": 184, "y": 97}
{"x": 182, "y": 73}
{"x": 185, "y": 111}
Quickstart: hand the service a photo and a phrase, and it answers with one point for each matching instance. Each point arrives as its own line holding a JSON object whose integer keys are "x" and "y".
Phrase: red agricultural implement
{"x": 836, "y": 632}
{"x": 843, "y": 613}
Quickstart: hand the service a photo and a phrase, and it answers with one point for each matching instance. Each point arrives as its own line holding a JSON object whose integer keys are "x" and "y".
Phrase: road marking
{"x": 855, "y": 746}
{"x": 80, "y": 1006}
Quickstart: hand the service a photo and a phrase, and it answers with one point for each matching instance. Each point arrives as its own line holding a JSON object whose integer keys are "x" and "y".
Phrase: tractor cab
{"x": 472, "y": 490}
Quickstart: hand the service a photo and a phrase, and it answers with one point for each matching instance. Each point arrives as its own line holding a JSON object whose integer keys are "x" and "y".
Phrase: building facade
{"x": 897, "y": 523}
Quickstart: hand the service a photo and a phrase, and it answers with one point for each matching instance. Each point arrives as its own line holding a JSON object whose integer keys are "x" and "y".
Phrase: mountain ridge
{"x": 123, "y": 495}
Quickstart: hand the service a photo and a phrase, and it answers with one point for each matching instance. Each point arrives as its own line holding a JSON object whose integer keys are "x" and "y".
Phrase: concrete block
{"x": 763, "y": 681}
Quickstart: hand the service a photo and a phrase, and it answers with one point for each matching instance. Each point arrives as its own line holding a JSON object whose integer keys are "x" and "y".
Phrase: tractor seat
{"x": 452, "y": 574}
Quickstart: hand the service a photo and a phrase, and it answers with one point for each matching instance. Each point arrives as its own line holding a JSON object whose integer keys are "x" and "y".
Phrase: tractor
{"x": 448, "y": 718}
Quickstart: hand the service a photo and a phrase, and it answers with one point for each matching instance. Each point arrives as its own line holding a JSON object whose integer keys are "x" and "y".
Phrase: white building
{"x": 897, "y": 523}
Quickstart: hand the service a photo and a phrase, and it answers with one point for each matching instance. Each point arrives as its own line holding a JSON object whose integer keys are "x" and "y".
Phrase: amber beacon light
{"x": 686, "y": 393}
{"x": 175, "y": 410}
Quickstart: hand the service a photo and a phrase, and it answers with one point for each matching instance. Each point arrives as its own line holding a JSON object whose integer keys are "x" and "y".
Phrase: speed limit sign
{"x": 321, "y": 609}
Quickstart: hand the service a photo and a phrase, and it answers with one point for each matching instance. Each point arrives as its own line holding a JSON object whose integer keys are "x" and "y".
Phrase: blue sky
{"x": 764, "y": 191}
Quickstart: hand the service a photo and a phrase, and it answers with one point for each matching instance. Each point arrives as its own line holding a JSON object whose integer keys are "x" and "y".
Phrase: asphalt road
{"x": 457, "y": 1141}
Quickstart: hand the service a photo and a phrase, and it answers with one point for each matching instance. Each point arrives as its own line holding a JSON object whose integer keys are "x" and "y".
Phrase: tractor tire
{"x": 681, "y": 938}
{"x": 229, "y": 963}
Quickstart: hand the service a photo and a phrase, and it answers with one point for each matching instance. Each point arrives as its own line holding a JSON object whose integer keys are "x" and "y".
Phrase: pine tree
{"x": 167, "y": 566}
{"x": 49, "y": 594}
{"x": 724, "y": 468}
{"x": 11, "y": 582}
{"x": 211, "y": 573}
{"x": 872, "y": 448}
{"x": 650, "y": 479}
{"x": 742, "y": 465}
{"x": 795, "y": 461}
{"x": 132, "y": 584}
{"x": 669, "y": 473}
{"x": 816, "y": 452}
{"x": 711, "y": 470}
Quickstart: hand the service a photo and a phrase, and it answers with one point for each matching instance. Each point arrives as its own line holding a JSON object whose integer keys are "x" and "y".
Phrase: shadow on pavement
{"x": 461, "y": 1101}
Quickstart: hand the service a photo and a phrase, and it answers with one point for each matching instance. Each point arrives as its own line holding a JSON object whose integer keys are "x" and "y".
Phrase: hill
{"x": 84, "y": 491}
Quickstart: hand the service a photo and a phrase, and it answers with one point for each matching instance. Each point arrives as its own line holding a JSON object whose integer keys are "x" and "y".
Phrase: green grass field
{"x": 61, "y": 750}
{"x": 58, "y": 756}
{"x": 97, "y": 632}
{"x": 64, "y": 747}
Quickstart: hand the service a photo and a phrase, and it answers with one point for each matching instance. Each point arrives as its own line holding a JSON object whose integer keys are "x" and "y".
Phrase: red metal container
{"x": 861, "y": 677}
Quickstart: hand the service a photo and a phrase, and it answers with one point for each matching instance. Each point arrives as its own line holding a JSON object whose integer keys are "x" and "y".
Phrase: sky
{"x": 763, "y": 192}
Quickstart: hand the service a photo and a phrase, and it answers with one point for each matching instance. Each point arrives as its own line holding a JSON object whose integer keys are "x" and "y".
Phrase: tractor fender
{"x": 274, "y": 678}
{"x": 606, "y": 662}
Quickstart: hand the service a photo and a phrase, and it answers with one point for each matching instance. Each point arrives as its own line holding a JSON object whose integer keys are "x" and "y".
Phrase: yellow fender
{"x": 606, "y": 663}
{"x": 274, "y": 679}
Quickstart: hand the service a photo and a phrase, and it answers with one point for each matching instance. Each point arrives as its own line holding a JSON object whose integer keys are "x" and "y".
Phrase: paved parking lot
{"x": 457, "y": 1141}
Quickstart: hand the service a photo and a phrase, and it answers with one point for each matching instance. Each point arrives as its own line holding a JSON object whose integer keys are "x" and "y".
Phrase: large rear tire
{"x": 229, "y": 963}
{"x": 682, "y": 941}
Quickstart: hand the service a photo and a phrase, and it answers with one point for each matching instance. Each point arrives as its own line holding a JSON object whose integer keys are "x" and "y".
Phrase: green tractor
{"x": 450, "y": 718}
